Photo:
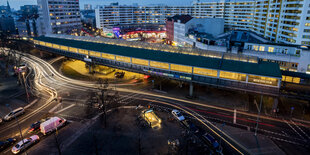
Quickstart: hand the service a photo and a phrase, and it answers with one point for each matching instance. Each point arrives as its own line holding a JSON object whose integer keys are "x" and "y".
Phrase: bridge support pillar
{"x": 191, "y": 89}
{"x": 41, "y": 54}
{"x": 90, "y": 68}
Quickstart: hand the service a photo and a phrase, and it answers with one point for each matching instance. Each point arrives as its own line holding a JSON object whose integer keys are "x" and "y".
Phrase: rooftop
{"x": 261, "y": 68}
{"x": 183, "y": 18}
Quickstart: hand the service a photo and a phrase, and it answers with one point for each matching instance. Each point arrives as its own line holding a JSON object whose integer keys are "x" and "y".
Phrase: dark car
{"x": 34, "y": 127}
{"x": 191, "y": 126}
{"x": 212, "y": 141}
{"x": 5, "y": 144}
{"x": 119, "y": 74}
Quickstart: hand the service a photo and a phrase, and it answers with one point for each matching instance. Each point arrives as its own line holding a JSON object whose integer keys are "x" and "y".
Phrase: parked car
{"x": 212, "y": 141}
{"x": 178, "y": 115}
{"x": 25, "y": 143}
{"x": 17, "y": 112}
{"x": 6, "y": 143}
{"x": 191, "y": 126}
{"x": 52, "y": 124}
{"x": 119, "y": 74}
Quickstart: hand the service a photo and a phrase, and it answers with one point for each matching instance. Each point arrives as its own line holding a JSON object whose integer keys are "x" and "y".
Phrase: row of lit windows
{"x": 167, "y": 66}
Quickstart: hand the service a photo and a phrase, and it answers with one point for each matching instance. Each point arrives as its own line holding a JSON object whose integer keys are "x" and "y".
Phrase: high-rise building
{"x": 284, "y": 21}
{"x": 88, "y": 7}
{"x": 58, "y": 16}
{"x": 114, "y": 14}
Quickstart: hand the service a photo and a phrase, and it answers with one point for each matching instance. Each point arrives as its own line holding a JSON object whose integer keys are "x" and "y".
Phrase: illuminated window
{"x": 263, "y": 80}
{"x": 49, "y": 45}
{"x": 140, "y": 62}
{"x": 124, "y": 59}
{"x": 65, "y": 48}
{"x": 232, "y": 76}
{"x": 56, "y": 46}
{"x": 83, "y": 51}
{"x": 96, "y": 54}
{"x": 42, "y": 43}
{"x": 58, "y": 23}
{"x": 181, "y": 68}
{"x": 108, "y": 56}
{"x": 270, "y": 49}
{"x": 159, "y": 65}
{"x": 307, "y": 24}
{"x": 71, "y": 49}
{"x": 206, "y": 72}
{"x": 262, "y": 48}
{"x": 255, "y": 47}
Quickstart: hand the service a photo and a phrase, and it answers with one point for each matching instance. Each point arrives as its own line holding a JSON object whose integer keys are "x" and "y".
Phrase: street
{"x": 47, "y": 83}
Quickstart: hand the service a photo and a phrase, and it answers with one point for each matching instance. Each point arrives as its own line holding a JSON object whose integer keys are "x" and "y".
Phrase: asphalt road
{"x": 49, "y": 84}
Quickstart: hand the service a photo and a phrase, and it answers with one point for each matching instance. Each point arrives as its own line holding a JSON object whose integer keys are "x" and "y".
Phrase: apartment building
{"x": 114, "y": 14}
{"x": 58, "y": 16}
{"x": 284, "y": 21}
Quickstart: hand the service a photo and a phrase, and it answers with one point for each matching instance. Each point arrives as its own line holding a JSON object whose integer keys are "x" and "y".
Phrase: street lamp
{"x": 23, "y": 73}
{"x": 20, "y": 131}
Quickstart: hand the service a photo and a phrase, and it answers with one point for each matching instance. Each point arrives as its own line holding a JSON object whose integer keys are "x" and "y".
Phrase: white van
{"x": 52, "y": 124}
{"x": 17, "y": 112}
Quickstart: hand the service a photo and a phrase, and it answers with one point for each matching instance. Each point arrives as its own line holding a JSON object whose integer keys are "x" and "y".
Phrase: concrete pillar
{"x": 41, "y": 54}
{"x": 89, "y": 67}
{"x": 191, "y": 89}
{"x": 247, "y": 78}
{"x": 279, "y": 82}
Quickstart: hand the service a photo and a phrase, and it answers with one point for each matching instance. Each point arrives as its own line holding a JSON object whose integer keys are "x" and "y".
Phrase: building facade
{"x": 114, "y": 14}
{"x": 88, "y": 7}
{"x": 58, "y": 16}
{"x": 285, "y": 21}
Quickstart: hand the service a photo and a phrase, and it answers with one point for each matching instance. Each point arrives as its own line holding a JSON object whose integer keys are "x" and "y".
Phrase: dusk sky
{"x": 17, "y": 3}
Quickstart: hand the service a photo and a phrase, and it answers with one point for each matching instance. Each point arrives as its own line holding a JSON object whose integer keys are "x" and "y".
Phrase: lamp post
{"x": 260, "y": 107}
{"x": 23, "y": 73}
{"x": 20, "y": 131}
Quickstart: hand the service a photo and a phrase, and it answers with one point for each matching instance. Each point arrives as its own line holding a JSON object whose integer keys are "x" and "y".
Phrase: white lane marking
{"x": 293, "y": 129}
{"x": 300, "y": 129}
{"x": 53, "y": 109}
{"x": 70, "y": 106}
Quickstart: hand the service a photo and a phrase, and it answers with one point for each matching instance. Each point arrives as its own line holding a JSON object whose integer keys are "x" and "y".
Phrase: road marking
{"x": 72, "y": 105}
{"x": 54, "y": 108}
{"x": 293, "y": 129}
{"x": 300, "y": 129}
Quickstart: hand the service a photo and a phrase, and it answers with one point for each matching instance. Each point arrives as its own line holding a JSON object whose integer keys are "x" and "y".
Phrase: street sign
{"x": 87, "y": 59}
